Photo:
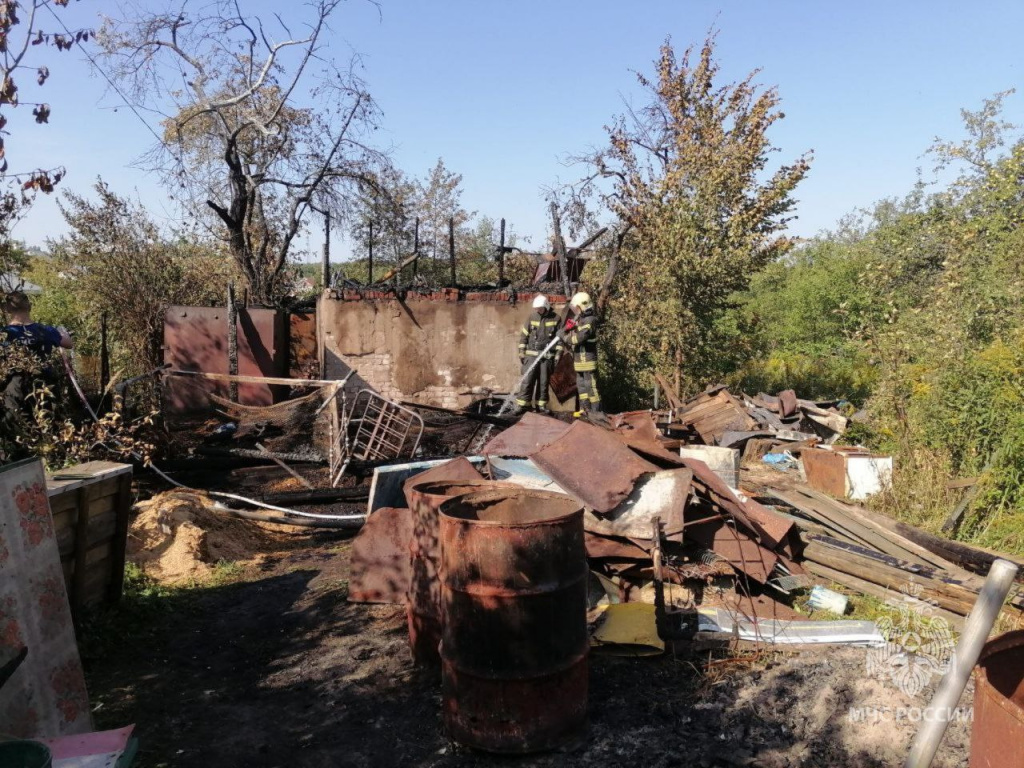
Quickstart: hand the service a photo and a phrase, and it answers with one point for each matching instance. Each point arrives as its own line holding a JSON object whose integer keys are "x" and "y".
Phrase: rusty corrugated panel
{"x": 424, "y": 591}
{"x": 379, "y": 570}
{"x": 532, "y": 433}
{"x": 514, "y": 598}
{"x": 998, "y": 729}
{"x": 196, "y": 339}
{"x": 742, "y": 553}
{"x": 593, "y": 465}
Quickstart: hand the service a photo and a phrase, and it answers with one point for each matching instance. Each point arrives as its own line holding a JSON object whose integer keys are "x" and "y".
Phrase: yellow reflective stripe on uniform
{"x": 551, "y": 324}
{"x": 532, "y": 353}
{"x": 534, "y": 323}
{"x": 589, "y": 365}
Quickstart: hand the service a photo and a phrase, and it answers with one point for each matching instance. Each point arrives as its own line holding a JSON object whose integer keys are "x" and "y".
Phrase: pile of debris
{"x": 710, "y": 563}
{"x": 764, "y": 422}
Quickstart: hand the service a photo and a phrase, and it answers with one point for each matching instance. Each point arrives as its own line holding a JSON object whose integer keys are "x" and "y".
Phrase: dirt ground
{"x": 277, "y": 669}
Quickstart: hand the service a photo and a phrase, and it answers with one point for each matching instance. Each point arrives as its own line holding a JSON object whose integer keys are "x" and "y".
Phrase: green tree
{"x": 260, "y": 125}
{"x": 387, "y": 211}
{"x": 116, "y": 261}
{"x": 438, "y": 200}
{"x": 690, "y": 175}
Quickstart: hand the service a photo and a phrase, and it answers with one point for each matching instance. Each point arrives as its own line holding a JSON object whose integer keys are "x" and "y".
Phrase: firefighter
{"x": 537, "y": 333}
{"x": 582, "y": 337}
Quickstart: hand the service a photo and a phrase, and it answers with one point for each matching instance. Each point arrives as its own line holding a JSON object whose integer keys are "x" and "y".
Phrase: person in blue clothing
{"x": 40, "y": 340}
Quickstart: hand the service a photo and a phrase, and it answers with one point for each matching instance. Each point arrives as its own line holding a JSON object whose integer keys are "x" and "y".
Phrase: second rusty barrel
{"x": 514, "y": 605}
{"x": 424, "y": 596}
{"x": 998, "y": 728}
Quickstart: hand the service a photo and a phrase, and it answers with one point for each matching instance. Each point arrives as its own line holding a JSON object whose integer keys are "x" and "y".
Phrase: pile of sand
{"x": 179, "y": 536}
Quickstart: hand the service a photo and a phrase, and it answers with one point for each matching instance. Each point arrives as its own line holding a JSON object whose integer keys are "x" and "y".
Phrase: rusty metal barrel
{"x": 423, "y": 608}
{"x": 514, "y": 605}
{"x": 998, "y": 730}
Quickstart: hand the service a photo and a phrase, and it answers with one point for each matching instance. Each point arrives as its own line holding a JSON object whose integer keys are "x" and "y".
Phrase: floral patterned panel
{"x": 46, "y": 696}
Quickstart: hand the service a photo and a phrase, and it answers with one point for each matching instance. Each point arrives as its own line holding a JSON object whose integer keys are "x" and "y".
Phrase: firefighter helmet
{"x": 542, "y": 303}
{"x": 581, "y": 302}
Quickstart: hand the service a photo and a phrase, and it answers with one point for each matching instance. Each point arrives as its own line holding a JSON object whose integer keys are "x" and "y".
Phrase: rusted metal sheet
{"x": 600, "y": 546}
{"x": 637, "y": 424}
{"x": 424, "y": 590}
{"x": 773, "y": 529}
{"x": 196, "y": 339}
{"x": 514, "y": 602}
{"x": 742, "y": 553}
{"x": 532, "y": 433}
{"x": 788, "y": 404}
{"x": 998, "y": 729}
{"x": 303, "y": 352}
{"x": 563, "y": 379}
{"x": 826, "y": 471}
{"x": 380, "y": 568}
{"x": 593, "y": 465}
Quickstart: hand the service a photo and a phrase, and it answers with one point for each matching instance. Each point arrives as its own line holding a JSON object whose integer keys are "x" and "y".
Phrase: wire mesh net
{"x": 300, "y": 428}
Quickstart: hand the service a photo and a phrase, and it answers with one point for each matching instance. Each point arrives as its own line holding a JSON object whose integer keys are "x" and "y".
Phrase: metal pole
{"x": 232, "y": 342}
{"x": 951, "y": 687}
{"x": 104, "y": 355}
{"x": 501, "y": 255}
{"x": 326, "y": 275}
{"x": 563, "y": 261}
{"x": 451, "y": 247}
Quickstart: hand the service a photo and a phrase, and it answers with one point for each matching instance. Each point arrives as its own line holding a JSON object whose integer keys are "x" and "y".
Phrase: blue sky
{"x": 504, "y": 91}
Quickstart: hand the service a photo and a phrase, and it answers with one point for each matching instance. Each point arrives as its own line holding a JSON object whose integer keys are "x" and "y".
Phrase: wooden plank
{"x": 101, "y": 551}
{"x": 955, "y": 620}
{"x": 968, "y": 581}
{"x": 881, "y": 538}
{"x": 62, "y": 502}
{"x": 66, "y": 544}
{"x": 103, "y": 488}
{"x": 75, "y": 477}
{"x": 97, "y": 582}
{"x": 64, "y": 519}
{"x": 825, "y": 515}
{"x": 102, "y": 527}
{"x": 977, "y": 559}
{"x": 122, "y": 511}
{"x": 889, "y": 527}
{"x": 272, "y": 380}
{"x": 80, "y": 547}
{"x": 951, "y": 597}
